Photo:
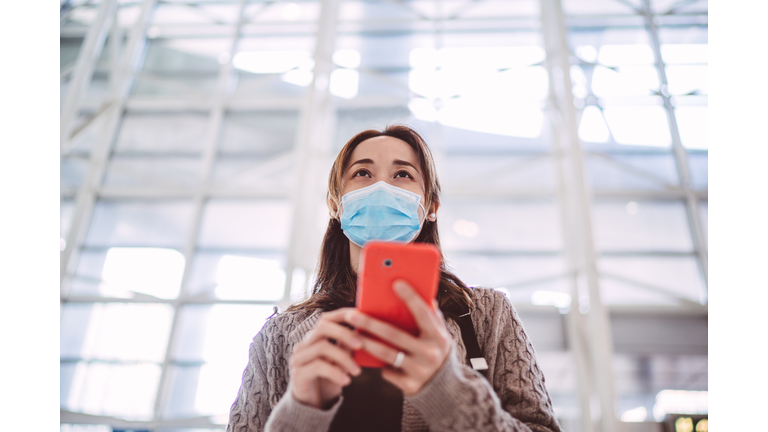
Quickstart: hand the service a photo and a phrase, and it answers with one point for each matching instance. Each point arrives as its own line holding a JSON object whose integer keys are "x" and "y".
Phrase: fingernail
{"x": 399, "y": 287}
{"x": 353, "y": 318}
{"x": 357, "y": 342}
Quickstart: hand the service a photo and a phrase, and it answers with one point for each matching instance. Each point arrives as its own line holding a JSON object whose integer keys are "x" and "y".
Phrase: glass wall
{"x": 180, "y": 225}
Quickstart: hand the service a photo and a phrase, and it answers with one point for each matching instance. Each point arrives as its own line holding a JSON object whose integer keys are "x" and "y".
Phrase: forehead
{"x": 383, "y": 150}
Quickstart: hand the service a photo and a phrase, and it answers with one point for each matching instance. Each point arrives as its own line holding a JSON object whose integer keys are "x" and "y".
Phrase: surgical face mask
{"x": 381, "y": 212}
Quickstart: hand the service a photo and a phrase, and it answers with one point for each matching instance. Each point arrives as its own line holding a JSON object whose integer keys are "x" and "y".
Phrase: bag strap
{"x": 475, "y": 358}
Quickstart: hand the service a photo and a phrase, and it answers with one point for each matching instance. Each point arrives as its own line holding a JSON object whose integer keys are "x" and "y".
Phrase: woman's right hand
{"x": 321, "y": 368}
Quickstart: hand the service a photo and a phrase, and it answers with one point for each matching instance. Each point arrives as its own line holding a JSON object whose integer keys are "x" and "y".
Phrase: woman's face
{"x": 384, "y": 159}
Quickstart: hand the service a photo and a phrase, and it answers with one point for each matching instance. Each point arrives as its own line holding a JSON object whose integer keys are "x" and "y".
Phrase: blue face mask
{"x": 381, "y": 212}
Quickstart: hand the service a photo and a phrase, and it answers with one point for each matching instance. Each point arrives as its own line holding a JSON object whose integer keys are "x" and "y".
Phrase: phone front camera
{"x": 387, "y": 263}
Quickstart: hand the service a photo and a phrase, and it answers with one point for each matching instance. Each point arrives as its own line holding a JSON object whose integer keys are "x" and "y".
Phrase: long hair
{"x": 336, "y": 280}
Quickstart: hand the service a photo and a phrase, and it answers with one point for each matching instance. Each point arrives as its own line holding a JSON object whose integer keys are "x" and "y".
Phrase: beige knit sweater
{"x": 456, "y": 399}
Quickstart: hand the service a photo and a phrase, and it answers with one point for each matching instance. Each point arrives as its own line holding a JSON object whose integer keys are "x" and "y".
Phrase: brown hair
{"x": 336, "y": 280}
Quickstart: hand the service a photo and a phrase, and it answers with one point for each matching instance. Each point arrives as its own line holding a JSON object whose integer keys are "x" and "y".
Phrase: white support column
{"x": 224, "y": 88}
{"x": 681, "y": 155}
{"x": 591, "y": 340}
{"x": 86, "y": 195}
{"x": 83, "y": 69}
{"x": 313, "y": 144}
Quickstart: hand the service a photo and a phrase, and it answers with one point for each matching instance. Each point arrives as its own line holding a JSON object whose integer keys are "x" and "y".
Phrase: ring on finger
{"x": 398, "y": 360}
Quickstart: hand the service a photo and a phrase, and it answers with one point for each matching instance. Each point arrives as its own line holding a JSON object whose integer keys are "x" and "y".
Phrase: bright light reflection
{"x": 246, "y": 278}
{"x": 344, "y": 83}
{"x": 490, "y": 89}
{"x": 593, "y": 127}
{"x": 269, "y": 62}
{"x": 620, "y": 55}
{"x": 639, "y": 125}
{"x": 680, "y": 402}
{"x": 153, "y": 271}
{"x": 291, "y": 11}
{"x": 347, "y": 58}
{"x": 634, "y": 415}
{"x": 551, "y": 298}
{"x": 487, "y": 58}
{"x": 692, "y": 123}
{"x": 231, "y": 328}
{"x": 492, "y": 116}
{"x": 588, "y": 53}
{"x": 125, "y": 331}
{"x": 126, "y": 391}
{"x": 628, "y": 81}
{"x": 299, "y": 289}
{"x": 682, "y": 80}
{"x": 685, "y": 53}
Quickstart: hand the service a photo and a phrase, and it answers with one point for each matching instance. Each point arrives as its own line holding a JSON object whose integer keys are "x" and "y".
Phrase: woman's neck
{"x": 354, "y": 256}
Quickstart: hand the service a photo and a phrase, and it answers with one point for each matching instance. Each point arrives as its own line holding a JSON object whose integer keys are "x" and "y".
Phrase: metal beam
{"x": 681, "y": 155}
{"x": 86, "y": 194}
{"x": 313, "y": 143}
{"x": 582, "y": 255}
{"x": 83, "y": 69}
{"x": 224, "y": 88}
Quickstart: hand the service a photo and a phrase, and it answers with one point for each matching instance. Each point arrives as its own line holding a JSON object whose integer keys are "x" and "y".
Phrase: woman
{"x": 312, "y": 342}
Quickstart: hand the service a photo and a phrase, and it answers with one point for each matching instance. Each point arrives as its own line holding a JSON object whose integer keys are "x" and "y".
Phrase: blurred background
{"x": 197, "y": 136}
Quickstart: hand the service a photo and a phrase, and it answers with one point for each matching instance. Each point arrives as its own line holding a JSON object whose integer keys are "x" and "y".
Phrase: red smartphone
{"x": 383, "y": 263}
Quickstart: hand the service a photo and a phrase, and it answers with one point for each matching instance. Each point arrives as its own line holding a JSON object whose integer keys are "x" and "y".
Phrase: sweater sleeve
{"x": 264, "y": 402}
{"x": 457, "y": 398}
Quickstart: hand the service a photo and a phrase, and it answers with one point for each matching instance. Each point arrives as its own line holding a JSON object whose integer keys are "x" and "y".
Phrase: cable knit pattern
{"x": 456, "y": 399}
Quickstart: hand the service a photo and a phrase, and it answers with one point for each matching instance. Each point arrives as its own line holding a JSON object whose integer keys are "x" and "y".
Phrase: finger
{"x": 332, "y": 329}
{"x": 383, "y": 352}
{"x": 425, "y": 317}
{"x": 385, "y": 331}
{"x": 438, "y": 311}
{"x": 322, "y": 369}
{"x": 328, "y": 351}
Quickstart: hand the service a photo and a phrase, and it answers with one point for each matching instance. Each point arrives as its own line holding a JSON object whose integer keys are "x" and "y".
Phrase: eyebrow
{"x": 394, "y": 162}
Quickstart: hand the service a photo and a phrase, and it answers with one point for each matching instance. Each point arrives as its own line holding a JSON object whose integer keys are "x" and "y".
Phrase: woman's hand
{"x": 423, "y": 354}
{"x": 319, "y": 367}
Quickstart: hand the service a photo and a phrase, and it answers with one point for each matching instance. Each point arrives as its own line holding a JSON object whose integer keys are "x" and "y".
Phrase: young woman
{"x": 301, "y": 375}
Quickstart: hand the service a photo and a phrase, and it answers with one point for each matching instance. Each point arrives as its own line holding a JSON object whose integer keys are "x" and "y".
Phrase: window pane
{"x": 122, "y": 390}
{"x": 155, "y": 172}
{"x": 218, "y": 333}
{"x": 679, "y": 276}
{"x": 140, "y": 223}
{"x": 639, "y": 125}
{"x": 698, "y": 166}
{"x": 238, "y": 276}
{"x": 162, "y": 132}
{"x": 245, "y": 224}
{"x": 632, "y": 171}
{"x": 482, "y": 226}
{"x": 518, "y": 277}
{"x": 692, "y": 123}
{"x": 73, "y": 170}
{"x": 115, "y": 331}
{"x": 66, "y": 213}
{"x": 641, "y": 226}
{"x": 262, "y": 133}
{"x": 532, "y": 172}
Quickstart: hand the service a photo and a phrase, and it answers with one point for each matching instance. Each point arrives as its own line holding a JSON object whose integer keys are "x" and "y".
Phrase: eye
{"x": 362, "y": 173}
{"x": 403, "y": 174}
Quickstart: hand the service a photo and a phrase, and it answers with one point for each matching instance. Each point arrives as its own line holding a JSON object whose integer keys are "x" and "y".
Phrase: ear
{"x": 432, "y": 214}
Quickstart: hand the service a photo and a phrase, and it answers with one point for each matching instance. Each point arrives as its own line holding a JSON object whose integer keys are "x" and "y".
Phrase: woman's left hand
{"x": 424, "y": 354}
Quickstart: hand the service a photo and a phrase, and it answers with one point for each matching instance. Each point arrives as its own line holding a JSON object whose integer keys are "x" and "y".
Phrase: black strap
{"x": 475, "y": 358}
